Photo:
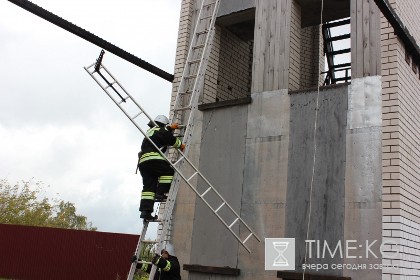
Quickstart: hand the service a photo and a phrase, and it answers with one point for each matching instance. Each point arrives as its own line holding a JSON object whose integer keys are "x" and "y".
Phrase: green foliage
{"x": 138, "y": 277}
{"x": 146, "y": 254}
{"x": 22, "y": 204}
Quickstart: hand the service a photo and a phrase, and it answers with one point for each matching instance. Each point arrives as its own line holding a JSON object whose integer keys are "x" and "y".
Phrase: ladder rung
{"x": 186, "y": 92}
{"x": 341, "y": 65}
{"x": 110, "y": 85}
{"x": 204, "y": 193}
{"x": 144, "y": 262}
{"x": 207, "y": 17}
{"x": 178, "y": 161}
{"x": 150, "y": 241}
{"x": 233, "y": 222}
{"x": 198, "y": 46}
{"x": 183, "y": 108}
{"x": 337, "y": 23}
{"x": 338, "y": 38}
{"x": 194, "y": 61}
{"x": 135, "y": 116}
{"x": 209, "y": 4}
{"x": 154, "y": 221}
{"x": 246, "y": 239}
{"x": 192, "y": 176}
{"x": 191, "y": 76}
{"x": 339, "y": 52}
{"x": 202, "y": 32}
{"x": 220, "y": 207}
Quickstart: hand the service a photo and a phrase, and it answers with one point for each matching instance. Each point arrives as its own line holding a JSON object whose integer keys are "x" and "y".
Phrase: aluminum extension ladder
{"x": 183, "y": 112}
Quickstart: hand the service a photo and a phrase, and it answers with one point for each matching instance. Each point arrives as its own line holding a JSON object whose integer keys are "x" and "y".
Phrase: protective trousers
{"x": 157, "y": 177}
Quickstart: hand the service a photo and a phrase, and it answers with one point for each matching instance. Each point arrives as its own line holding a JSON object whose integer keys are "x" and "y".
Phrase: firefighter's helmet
{"x": 162, "y": 119}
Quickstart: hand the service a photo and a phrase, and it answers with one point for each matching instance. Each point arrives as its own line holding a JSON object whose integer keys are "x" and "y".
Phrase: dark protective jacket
{"x": 162, "y": 137}
{"x": 167, "y": 269}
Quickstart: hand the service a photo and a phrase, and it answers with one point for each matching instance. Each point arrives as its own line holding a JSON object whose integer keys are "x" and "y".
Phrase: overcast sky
{"x": 57, "y": 125}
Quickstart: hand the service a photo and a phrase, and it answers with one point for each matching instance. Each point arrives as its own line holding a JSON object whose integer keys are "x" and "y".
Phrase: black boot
{"x": 147, "y": 216}
{"x": 160, "y": 197}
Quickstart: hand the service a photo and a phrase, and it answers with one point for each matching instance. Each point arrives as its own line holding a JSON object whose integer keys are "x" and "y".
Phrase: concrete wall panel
{"x": 363, "y": 217}
{"x": 327, "y": 203}
{"x": 364, "y": 103}
{"x": 222, "y": 163}
{"x": 265, "y": 176}
{"x": 183, "y": 214}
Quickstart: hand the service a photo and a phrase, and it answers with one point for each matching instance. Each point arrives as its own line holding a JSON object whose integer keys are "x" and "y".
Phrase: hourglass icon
{"x": 280, "y": 247}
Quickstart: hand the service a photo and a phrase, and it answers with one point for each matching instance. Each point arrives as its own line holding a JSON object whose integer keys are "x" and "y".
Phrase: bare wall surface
{"x": 363, "y": 217}
{"x": 183, "y": 214}
{"x": 327, "y": 209}
{"x": 265, "y": 176}
{"x": 222, "y": 163}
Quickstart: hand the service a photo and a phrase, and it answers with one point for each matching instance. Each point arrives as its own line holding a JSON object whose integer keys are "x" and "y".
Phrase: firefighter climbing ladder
{"x": 183, "y": 112}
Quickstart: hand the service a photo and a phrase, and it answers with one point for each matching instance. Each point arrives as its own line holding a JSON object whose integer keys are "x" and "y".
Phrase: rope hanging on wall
{"x": 315, "y": 148}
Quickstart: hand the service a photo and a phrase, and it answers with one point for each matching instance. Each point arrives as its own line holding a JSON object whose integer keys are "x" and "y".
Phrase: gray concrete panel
{"x": 183, "y": 214}
{"x": 365, "y": 97}
{"x": 265, "y": 177}
{"x": 228, "y": 6}
{"x": 363, "y": 215}
{"x": 221, "y": 162}
{"x": 327, "y": 202}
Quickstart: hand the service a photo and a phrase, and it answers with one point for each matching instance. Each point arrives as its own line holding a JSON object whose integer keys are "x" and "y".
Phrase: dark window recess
{"x": 228, "y": 81}
{"x": 407, "y": 57}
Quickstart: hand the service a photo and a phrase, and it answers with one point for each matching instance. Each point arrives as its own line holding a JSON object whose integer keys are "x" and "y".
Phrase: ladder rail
{"x": 178, "y": 160}
{"x": 215, "y": 191}
{"x": 189, "y": 55}
{"x": 139, "y": 248}
{"x": 201, "y": 67}
{"x": 177, "y": 115}
{"x": 169, "y": 208}
{"x": 119, "y": 104}
{"x": 182, "y": 87}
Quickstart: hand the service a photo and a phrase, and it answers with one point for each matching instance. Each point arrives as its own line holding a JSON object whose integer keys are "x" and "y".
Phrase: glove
{"x": 182, "y": 147}
{"x": 174, "y": 126}
{"x": 155, "y": 259}
{"x": 134, "y": 259}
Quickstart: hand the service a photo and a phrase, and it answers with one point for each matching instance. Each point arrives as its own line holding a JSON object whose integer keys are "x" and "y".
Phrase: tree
{"x": 23, "y": 204}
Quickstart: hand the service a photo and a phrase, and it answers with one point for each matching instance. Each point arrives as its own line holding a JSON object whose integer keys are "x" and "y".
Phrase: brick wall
{"x": 309, "y": 52}
{"x": 229, "y": 69}
{"x": 401, "y": 146}
{"x": 228, "y": 74}
{"x": 305, "y": 55}
{"x": 295, "y": 47}
{"x": 209, "y": 93}
{"x": 184, "y": 31}
{"x": 235, "y": 66}
{"x": 408, "y": 11}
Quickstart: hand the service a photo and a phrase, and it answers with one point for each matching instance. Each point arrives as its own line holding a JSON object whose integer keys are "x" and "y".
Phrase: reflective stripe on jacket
{"x": 162, "y": 137}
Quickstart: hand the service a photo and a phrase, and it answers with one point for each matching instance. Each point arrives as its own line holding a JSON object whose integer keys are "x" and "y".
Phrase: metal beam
{"x": 39, "y": 11}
